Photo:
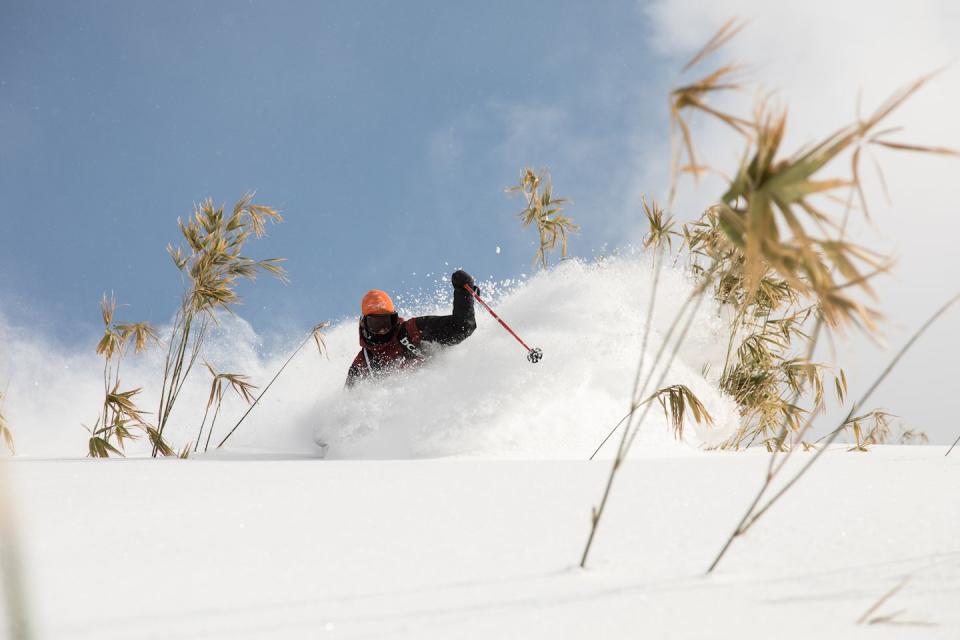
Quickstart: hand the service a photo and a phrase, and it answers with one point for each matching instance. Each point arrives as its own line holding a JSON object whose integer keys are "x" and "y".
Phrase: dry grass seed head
{"x": 771, "y": 196}
{"x": 239, "y": 383}
{"x": 317, "y": 334}
{"x": 676, "y": 400}
{"x": 661, "y": 226}
{"x": 122, "y": 404}
{"x": 869, "y": 429}
{"x": 141, "y": 333}
{"x": 840, "y": 386}
{"x": 213, "y": 262}
{"x": 777, "y": 192}
{"x": 117, "y": 336}
{"x": 544, "y": 211}
{"x": 693, "y": 96}
{"x": 730, "y": 28}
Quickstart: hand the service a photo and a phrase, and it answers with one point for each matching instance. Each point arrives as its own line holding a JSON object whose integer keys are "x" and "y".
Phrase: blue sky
{"x": 384, "y": 131}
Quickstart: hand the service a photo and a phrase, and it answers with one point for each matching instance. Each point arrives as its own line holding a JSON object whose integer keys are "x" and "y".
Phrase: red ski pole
{"x": 533, "y": 355}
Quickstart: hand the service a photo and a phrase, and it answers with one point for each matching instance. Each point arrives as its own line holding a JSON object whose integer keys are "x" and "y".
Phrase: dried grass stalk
{"x": 772, "y": 251}
{"x": 544, "y": 211}
{"x": 316, "y": 334}
{"x": 212, "y": 264}
{"x": 120, "y": 419}
{"x": 677, "y": 400}
{"x": 241, "y": 387}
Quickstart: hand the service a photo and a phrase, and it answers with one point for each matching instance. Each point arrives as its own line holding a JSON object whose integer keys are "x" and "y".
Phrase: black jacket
{"x": 401, "y": 348}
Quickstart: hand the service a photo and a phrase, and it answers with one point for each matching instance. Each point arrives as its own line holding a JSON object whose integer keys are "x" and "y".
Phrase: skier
{"x": 388, "y": 342}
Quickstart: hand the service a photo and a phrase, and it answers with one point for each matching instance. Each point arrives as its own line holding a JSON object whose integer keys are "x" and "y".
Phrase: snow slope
{"x": 471, "y": 522}
{"x": 481, "y": 398}
{"x": 487, "y": 549}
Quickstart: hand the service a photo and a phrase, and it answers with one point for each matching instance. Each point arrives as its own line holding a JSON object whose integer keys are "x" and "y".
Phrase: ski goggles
{"x": 379, "y": 323}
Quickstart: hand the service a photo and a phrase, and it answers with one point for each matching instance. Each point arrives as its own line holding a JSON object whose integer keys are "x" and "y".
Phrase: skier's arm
{"x": 356, "y": 371}
{"x": 456, "y": 327}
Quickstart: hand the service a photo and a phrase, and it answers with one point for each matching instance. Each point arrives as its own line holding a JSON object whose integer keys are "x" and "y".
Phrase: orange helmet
{"x": 376, "y": 301}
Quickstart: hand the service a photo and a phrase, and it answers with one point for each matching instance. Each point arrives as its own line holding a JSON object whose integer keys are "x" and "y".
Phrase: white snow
{"x": 480, "y": 398}
{"x": 467, "y": 513}
{"x": 486, "y": 399}
{"x": 487, "y": 549}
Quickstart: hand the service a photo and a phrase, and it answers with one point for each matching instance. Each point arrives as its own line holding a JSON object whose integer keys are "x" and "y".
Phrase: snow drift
{"x": 480, "y": 398}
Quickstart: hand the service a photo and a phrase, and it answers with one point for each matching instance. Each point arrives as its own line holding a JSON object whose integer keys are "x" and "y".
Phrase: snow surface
{"x": 467, "y": 511}
{"x": 487, "y": 549}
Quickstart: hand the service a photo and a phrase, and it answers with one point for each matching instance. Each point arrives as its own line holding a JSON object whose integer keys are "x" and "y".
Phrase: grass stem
{"x": 312, "y": 334}
{"x": 753, "y": 513}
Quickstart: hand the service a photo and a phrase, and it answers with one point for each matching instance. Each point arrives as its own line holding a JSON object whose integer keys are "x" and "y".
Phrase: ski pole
{"x": 533, "y": 355}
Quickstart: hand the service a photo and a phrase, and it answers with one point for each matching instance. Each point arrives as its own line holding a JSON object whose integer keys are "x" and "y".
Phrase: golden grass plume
{"x": 544, "y": 211}
{"x": 677, "y": 400}
{"x": 213, "y": 264}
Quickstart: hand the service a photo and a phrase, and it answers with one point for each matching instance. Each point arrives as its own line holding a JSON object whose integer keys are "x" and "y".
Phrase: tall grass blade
{"x": 316, "y": 336}
{"x": 756, "y": 513}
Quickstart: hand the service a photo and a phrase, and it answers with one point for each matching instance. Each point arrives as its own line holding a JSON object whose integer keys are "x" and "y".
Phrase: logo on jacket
{"x": 412, "y": 348}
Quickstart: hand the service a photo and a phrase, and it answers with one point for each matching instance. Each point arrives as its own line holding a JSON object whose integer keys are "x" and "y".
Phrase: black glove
{"x": 460, "y": 278}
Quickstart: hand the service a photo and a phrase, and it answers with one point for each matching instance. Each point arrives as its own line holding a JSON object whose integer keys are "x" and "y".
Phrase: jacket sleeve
{"x": 356, "y": 371}
{"x": 451, "y": 329}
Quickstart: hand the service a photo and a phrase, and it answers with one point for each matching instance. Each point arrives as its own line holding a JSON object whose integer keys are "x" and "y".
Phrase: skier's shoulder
{"x": 411, "y": 329}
